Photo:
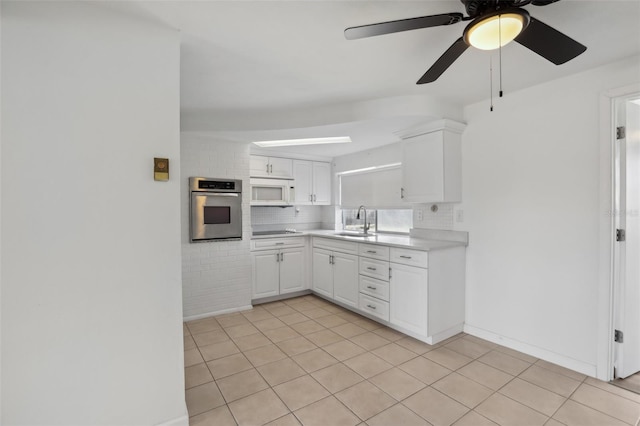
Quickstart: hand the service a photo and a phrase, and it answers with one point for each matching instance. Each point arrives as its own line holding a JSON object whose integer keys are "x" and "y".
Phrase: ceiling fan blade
{"x": 444, "y": 61}
{"x": 371, "y": 30}
{"x": 549, "y": 43}
{"x": 543, "y": 2}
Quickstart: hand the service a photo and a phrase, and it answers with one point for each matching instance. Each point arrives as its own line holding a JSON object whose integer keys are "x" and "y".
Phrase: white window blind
{"x": 374, "y": 188}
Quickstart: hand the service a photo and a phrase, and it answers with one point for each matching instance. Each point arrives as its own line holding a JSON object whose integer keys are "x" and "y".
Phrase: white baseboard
{"x": 544, "y": 354}
{"x": 444, "y": 335}
{"x": 183, "y": 420}
{"x": 283, "y": 296}
{"x": 212, "y": 314}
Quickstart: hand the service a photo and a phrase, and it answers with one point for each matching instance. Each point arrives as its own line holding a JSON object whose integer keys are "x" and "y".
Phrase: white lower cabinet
{"x": 322, "y": 272}
{"x": 335, "y": 270}
{"x": 266, "y": 274}
{"x": 291, "y": 270}
{"x": 408, "y": 297}
{"x": 335, "y": 275}
{"x": 345, "y": 278}
{"x": 416, "y": 292}
{"x": 374, "y": 287}
{"x": 278, "y": 271}
{"x": 375, "y": 307}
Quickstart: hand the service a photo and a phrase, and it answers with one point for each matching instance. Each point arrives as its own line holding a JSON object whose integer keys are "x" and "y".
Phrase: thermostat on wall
{"x": 161, "y": 169}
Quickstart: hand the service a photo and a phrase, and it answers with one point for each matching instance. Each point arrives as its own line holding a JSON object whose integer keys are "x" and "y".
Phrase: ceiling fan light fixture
{"x": 497, "y": 29}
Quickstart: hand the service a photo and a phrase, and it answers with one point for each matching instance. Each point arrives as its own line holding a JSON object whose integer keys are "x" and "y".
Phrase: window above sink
{"x": 393, "y": 221}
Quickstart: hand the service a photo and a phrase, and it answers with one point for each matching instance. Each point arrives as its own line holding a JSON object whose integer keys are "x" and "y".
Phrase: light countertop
{"x": 402, "y": 241}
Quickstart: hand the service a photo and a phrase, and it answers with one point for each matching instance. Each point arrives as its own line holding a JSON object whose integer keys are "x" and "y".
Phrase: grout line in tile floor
{"x": 387, "y": 377}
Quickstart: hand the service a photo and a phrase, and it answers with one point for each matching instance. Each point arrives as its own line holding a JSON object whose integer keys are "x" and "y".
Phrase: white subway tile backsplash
{"x": 441, "y": 219}
{"x": 297, "y": 217}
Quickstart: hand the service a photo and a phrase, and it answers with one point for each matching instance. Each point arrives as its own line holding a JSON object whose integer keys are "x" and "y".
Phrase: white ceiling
{"x": 273, "y": 65}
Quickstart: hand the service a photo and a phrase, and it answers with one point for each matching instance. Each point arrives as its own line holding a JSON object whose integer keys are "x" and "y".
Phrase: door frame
{"x": 605, "y": 348}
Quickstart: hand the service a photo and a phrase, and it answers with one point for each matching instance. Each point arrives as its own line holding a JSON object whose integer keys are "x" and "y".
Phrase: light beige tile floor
{"x": 307, "y": 361}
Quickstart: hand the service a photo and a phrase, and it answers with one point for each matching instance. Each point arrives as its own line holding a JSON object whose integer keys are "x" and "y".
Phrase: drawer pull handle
{"x": 406, "y": 257}
{"x": 279, "y": 244}
{"x": 371, "y": 306}
{"x": 372, "y": 288}
{"x": 371, "y": 251}
{"x": 371, "y": 268}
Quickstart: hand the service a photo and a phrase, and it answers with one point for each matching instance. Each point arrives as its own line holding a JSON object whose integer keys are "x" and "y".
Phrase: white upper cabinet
{"x": 312, "y": 182}
{"x": 273, "y": 167}
{"x": 432, "y": 164}
{"x": 303, "y": 180}
{"x": 321, "y": 183}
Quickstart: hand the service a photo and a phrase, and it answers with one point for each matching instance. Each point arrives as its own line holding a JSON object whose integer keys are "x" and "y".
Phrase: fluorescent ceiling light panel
{"x": 368, "y": 169}
{"x": 307, "y": 141}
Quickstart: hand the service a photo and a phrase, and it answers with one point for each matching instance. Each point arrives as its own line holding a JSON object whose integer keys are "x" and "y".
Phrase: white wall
{"x": 216, "y": 276}
{"x": 531, "y": 181}
{"x": 91, "y": 313}
{"x": 0, "y": 218}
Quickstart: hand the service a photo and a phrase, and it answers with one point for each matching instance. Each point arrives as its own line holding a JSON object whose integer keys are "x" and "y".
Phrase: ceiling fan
{"x": 494, "y": 23}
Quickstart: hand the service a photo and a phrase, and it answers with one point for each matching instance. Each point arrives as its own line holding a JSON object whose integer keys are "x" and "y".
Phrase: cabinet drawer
{"x": 277, "y": 243}
{"x": 336, "y": 245}
{"x": 373, "y": 287}
{"x": 374, "y": 306}
{"x": 409, "y": 257}
{"x": 374, "y": 268}
{"x": 373, "y": 251}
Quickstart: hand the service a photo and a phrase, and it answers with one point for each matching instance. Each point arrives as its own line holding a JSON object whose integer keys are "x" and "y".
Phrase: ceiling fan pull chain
{"x": 491, "y": 82}
{"x": 500, "y": 49}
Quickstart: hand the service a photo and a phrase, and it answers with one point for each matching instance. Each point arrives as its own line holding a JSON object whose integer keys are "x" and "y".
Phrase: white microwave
{"x": 272, "y": 192}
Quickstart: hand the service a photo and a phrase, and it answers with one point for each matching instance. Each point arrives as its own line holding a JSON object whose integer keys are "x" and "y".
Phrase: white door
{"x": 321, "y": 183}
{"x": 423, "y": 168}
{"x": 266, "y": 274}
{"x": 627, "y": 252}
{"x": 291, "y": 270}
{"x": 302, "y": 172}
{"x": 280, "y": 167}
{"x": 345, "y": 278}
{"x": 408, "y": 298}
{"x": 258, "y": 165}
{"x": 322, "y": 272}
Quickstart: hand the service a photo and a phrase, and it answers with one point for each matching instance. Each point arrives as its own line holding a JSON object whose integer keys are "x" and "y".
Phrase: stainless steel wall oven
{"x": 215, "y": 209}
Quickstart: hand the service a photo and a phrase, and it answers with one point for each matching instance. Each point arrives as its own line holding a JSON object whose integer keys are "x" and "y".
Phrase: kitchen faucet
{"x": 366, "y": 226}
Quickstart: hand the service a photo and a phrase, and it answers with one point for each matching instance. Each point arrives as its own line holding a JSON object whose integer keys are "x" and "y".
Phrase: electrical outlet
{"x": 420, "y": 215}
{"x": 460, "y": 216}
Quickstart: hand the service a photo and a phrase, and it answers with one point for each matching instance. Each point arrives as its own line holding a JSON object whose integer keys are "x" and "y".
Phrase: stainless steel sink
{"x": 353, "y": 234}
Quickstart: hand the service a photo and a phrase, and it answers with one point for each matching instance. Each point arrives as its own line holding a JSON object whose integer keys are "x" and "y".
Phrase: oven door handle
{"x": 218, "y": 194}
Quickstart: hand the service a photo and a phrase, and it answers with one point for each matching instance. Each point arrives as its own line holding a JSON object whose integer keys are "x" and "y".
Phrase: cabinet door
{"x": 280, "y": 167}
{"x": 302, "y": 174}
{"x": 423, "y": 168}
{"x": 291, "y": 270}
{"x": 322, "y": 272}
{"x": 432, "y": 167}
{"x": 321, "y": 183}
{"x": 408, "y": 298}
{"x": 266, "y": 274}
{"x": 345, "y": 278}
{"x": 258, "y": 165}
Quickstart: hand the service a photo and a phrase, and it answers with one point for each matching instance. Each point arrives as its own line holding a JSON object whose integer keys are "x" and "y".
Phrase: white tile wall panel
{"x": 442, "y": 219}
{"x": 216, "y": 276}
